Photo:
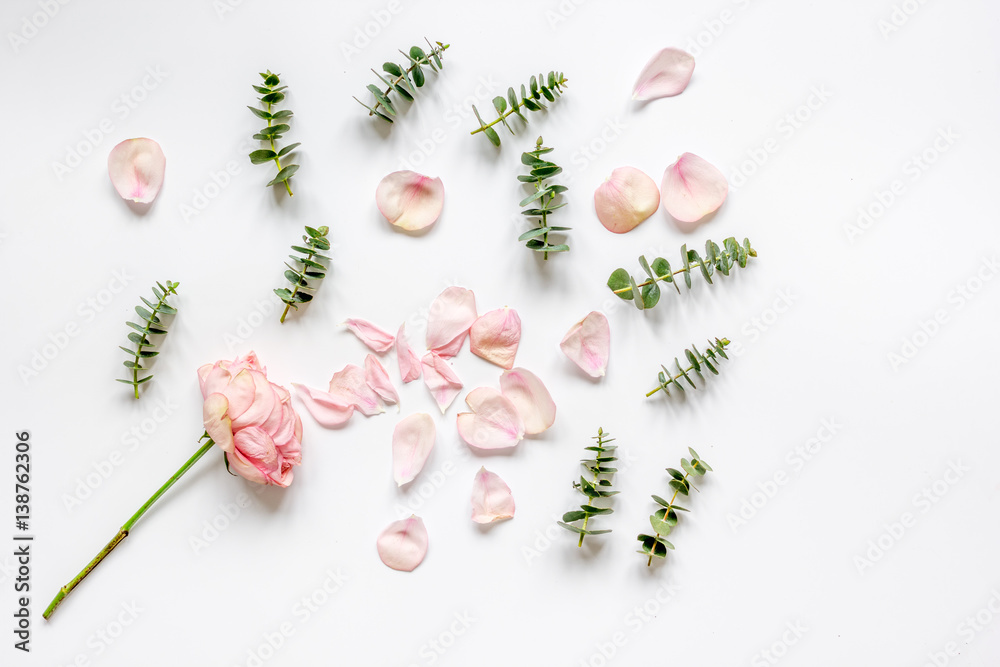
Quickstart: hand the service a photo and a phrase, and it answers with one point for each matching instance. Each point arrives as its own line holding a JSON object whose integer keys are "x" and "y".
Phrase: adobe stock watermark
{"x": 900, "y": 15}
{"x": 632, "y": 623}
{"x": 608, "y": 133}
{"x": 966, "y": 632}
{"x": 365, "y": 33}
{"x": 761, "y": 323}
{"x": 713, "y": 28}
{"x": 911, "y": 172}
{"x": 236, "y": 338}
{"x": 218, "y": 180}
{"x": 562, "y": 12}
{"x": 773, "y": 654}
{"x": 923, "y": 502}
{"x": 964, "y": 292}
{"x": 107, "y": 634}
{"x": 226, "y": 514}
{"x": 33, "y": 23}
{"x": 433, "y": 649}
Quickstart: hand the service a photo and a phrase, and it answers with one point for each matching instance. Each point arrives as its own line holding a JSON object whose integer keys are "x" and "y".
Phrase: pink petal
{"x": 349, "y": 384}
{"x": 374, "y": 337}
{"x": 136, "y": 168}
{"x": 625, "y": 199}
{"x": 494, "y": 422}
{"x": 451, "y": 315}
{"x": 412, "y": 442}
{"x": 491, "y": 498}
{"x": 495, "y": 336}
{"x": 330, "y": 411}
{"x": 692, "y": 188}
{"x": 409, "y": 362}
{"x": 532, "y": 399}
{"x": 409, "y": 200}
{"x": 378, "y": 379}
{"x": 403, "y": 544}
{"x": 665, "y": 75}
{"x": 588, "y": 344}
{"x": 440, "y": 379}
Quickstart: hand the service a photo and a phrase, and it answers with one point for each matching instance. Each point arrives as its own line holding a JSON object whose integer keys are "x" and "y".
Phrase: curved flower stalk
{"x": 598, "y": 486}
{"x": 540, "y": 201}
{"x": 541, "y": 86}
{"x": 697, "y": 361}
{"x": 271, "y": 94}
{"x": 153, "y": 326}
{"x": 664, "y": 519}
{"x": 405, "y": 79}
{"x": 311, "y": 269}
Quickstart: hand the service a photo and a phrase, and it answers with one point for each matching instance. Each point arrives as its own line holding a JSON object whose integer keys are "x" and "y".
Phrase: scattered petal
{"x": 692, "y": 188}
{"x": 451, "y": 315}
{"x": 440, "y": 378}
{"x": 625, "y": 199}
{"x": 378, "y": 379}
{"x": 491, "y": 498}
{"x": 351, "y": 386}
{"x": 665, "y": 75}
{"x": 409, "y": 362}
{"x": 532, "y": 399}
{"x": 403, "y": 544}
{"x": 588, "y": 344}
{"x": 374, "y": 337}
{"x": 330, "y": 411}
{"x": 412, "y": 442}
{"x": 136, "y": 168}
{"x": 409, "y": 200}
{"x": 495, "y": 336}
{"x": 494, "y": 422}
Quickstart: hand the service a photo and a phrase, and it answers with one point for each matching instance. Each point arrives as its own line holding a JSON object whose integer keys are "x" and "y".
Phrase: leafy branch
{"x": 401, "y": 81}
{"x": 722, "y": 259}
{"x": 697, "y": 361}
{"x": 538, "y": 238}
{"x": 311, "y": 269}
{"x": 270, "y": 94}
{"x": 153, "y": 326}
{"x": 541, "y": 86}
{"x": 664, "y": 519}
{"x": 599, "y": 486}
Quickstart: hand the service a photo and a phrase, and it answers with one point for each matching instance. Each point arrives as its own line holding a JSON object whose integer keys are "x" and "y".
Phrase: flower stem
{"x": 126, "y": 527}
{"x": 274, "y": 149}
{"x": 672, "y": 499}
{"x": 139, "y": 346}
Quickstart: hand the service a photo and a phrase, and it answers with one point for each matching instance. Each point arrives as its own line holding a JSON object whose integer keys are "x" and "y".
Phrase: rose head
{"x": 252, "y": 420}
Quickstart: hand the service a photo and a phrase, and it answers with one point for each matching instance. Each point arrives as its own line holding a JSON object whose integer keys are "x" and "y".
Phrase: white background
{"x": 533, "y": 597}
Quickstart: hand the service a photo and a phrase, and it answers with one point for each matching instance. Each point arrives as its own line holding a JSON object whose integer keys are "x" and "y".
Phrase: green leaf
{"x": 261, "y": 156}
{"x": 574, "y": 529}
{"x": 532, "y": 233}
{"x": 619, "y": 280}
{"x": 635, "y": 290}
{"x": 493, "y": 136}
{"x": 272, "y": 98}
{"x": 284, "y": 113}
{"x": 650, "y": 295}
{"x": 392, "y": 68}
{"x": 288, "y": 149}
{"x": 275, "y": 130}
{"x": 575, "y": 515}
{"x": 261, "y": 113}
{"x": 500, "y": 104}
{"x": 418, "y": 76}
{"x": 659, "y": 527}
{"x": 590, "y": 509}
{"x": 284, "y": 174}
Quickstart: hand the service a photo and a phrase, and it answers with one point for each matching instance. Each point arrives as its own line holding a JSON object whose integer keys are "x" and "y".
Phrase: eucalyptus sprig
{"x": 540, "y": 200}
{"x": 697, "y": 361}
{"x": 405, "y": 78}
{"x": 722, "y": 259}
{"x": 541, "y": 86}
{"x": 152, "y": 325}
{"x": 664, "y": 519}
{"x": 271, "y": 94}
{"x": 599, "y": 486}
{"x": 309, "y": 273}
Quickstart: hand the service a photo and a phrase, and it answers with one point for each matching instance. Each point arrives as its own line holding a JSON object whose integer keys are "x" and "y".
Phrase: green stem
{"x": 126, "y": 527}
{"x": 509, "y": 112}
{"x": 277, "y": 160}
{"x": 666, "y": 277}
{"x": 139, "y": 346}
{"x": 672, "y": 499}
{"x": 545, "y": 213}
{"x": 586, "y": 518}
{"x": 673, "y": 378}
{"x": 298, "y": 284}
{"x": 395, "y": 82}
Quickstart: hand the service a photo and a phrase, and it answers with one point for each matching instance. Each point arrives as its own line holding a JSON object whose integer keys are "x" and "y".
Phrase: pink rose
{"x": 252, "y": 420}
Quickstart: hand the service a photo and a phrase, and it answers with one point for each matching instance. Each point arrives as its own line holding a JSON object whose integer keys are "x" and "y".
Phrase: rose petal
{"x": 349, "y": 384}
{"x": 409, "y": 362}
{"x": 412, "y": 442}
{"x": 666, "y": 74}
{"x": 374, "y": 337}
{"x": 692, "y": 188}
{"x": 530, "y": 397}
{"x": 494, "y": 422}
{"x": 403, "y": 544}
{"x": 625, "y": 199}
{"x": 378, "y": 379}
{"x": 495, "y": 336}
{"x": 491, "y": 498}
{"x": 330, "y": 411}
{"x": 218, "y": 425}
{"x": 452, "y": 313}
{"x": 440, "y": 378}
{"x": 410, "y": 200}
{"x": 588, "y": 344}
{"x": 136, "y": 168}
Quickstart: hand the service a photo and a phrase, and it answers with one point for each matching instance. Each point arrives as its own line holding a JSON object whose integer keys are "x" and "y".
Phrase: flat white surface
{"x": 526, "y": 593}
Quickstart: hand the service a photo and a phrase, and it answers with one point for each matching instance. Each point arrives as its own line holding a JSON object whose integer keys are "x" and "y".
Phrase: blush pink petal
{"x": 218, "y": 425}
{"x": 530, "y": 397}
{"x": 452, "y": 313}
{"x": 409, "y": 200}
{"x": 440, "y": 379}
{"x": 136, "y": 168}
{"x": 494, "y": 422}
{"x": 409, "y": 362}
{"x": 256, "y": 458}
{"x": 625, "y": 199}
{"x": 403, "y": 544}
{"x": 375, "y": 338}
{"x": 691, "y": 189}
{"x": 330, "y": 411}
{"x": 666, "y": 74}
{"x": 495, "y": 336}
{"x": 412, "y": 442}
{"x": 378, "y": 379}
{"x": 491, "y": 498}
{"x": 351, "y": 386}
{"x": 588, "y": 344}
